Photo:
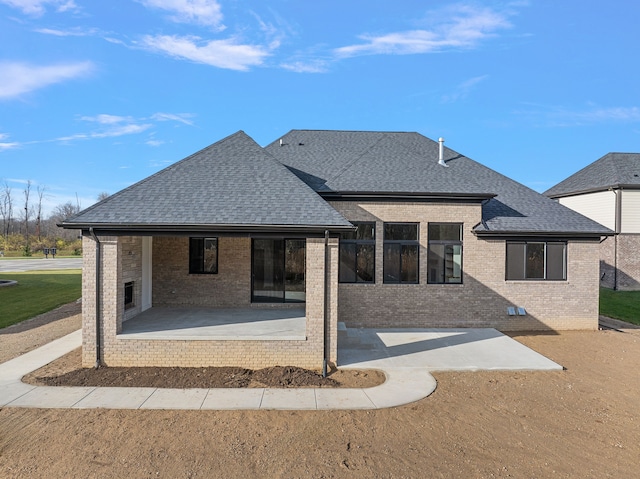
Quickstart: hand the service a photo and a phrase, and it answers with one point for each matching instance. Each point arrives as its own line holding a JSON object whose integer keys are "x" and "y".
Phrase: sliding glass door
{"x": 278, "y": 269}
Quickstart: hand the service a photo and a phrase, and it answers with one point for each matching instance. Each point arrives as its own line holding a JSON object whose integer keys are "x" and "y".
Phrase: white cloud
{"x": 561, "y": 116}
{"x": 463, "y": 89}
{"x": 73, "y": 32}
{"x": 458, "y": 26}
{"x": 153, "y": 142}
{"x": 19, "y": 78}
{"x": 218, "y": 53}
{"x": 38, "y": 7}
{"x": 180, "y": 117}
{"x": 312, "y": 66}
{"x": 8, "y": 146}
{"x": 107, "y": 119}
{"x": 198, "y": 12}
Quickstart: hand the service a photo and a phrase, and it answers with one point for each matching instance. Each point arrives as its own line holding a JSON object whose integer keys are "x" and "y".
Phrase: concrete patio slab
{"x": 456, "y": 349}
{"x": 228, "y": 324}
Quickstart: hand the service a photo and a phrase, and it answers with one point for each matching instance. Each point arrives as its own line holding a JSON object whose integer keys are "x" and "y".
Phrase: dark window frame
{"x": 282, "y": 262}
{"x": 197, "y": 246}
{"x": 403, "y": 244}
{"x": 527, "y": 259}
{"x": 447, "y": 242}
{"x": 357, "y": 243}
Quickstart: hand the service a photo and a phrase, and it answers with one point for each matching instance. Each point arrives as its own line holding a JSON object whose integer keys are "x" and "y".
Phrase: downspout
{"x": 325, "y": 333}
{"x": 98, "y": 336}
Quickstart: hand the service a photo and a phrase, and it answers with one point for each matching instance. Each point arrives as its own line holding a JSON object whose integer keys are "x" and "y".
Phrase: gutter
{"x": 98, "y": 271}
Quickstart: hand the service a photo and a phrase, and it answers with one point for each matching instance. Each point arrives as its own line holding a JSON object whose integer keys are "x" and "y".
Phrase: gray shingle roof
{"x": 232, "y": 182}
{"x": 613, "y": 169}
{"x": 348, "y": 161}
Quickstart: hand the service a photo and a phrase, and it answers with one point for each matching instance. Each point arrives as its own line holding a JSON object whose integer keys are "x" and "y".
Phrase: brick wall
{"x": 229, "y": 288}
{"x": 483, "y": 298}
{"x": 628, "y": 262}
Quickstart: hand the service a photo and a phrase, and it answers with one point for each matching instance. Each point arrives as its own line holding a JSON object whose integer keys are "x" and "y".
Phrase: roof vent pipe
{"x": 441, "y": 154}
{"x": 281, "y": 142}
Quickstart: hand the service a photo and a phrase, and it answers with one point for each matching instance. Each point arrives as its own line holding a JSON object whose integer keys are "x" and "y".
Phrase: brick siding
{"x": 483, "y": 298}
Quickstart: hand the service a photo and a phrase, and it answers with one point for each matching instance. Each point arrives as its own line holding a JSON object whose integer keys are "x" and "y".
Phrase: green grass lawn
{"x": 624, "y": 305}
{"x": 37, "y": 292}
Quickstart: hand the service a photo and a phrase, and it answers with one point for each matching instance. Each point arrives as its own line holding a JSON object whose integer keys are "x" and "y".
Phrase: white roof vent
{"x": 441, "y": 155}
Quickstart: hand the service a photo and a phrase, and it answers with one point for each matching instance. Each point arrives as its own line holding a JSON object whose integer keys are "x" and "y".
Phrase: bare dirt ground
{"x": 580, "y": 423}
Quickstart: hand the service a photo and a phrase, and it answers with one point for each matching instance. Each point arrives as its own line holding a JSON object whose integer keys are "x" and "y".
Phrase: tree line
{"x": 26, "y": 230}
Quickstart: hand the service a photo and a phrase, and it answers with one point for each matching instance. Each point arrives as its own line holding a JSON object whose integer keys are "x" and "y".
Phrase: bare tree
{"x": 103, "y": 196}
{"x": 61, "y": 213}
{"x": 41, "y": 189}
{"x": 6, "y": 209}
{"x": 27, "y": 216}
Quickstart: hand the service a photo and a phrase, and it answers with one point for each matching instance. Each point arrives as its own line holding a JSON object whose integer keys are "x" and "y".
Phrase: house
{"x": 369, "y": 229}
{"x": 608, "y": 191}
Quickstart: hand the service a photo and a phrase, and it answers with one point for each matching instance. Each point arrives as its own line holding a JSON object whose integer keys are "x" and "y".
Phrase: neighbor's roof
{"x": 610, "y": 171}
{"x": 349, "y": 162}
{"x": 232, "y": 183}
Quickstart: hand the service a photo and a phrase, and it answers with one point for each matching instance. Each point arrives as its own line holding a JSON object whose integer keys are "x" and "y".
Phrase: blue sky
{"x": 96, "y": 95}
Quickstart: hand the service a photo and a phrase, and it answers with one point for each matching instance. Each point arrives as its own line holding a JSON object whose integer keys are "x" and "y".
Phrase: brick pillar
{"x": 111, "y": 296}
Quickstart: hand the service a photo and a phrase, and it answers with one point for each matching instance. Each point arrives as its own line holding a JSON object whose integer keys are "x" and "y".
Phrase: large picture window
{"x": 203, "y": 255}
{"x": 445, "y": 253}
{"x": 536, "y": 260}
{"x": 357, "y": 254}
{"x": 400, "y": 253}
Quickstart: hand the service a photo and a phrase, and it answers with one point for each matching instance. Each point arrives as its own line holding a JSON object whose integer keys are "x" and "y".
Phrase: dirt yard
{"x": 579, "y": 423}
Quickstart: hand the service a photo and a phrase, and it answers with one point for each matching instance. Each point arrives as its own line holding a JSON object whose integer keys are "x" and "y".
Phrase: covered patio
{"x": 228, "y": 324}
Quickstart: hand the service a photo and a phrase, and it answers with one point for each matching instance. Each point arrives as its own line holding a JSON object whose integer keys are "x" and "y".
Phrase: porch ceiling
{"x": 201, "y": 324}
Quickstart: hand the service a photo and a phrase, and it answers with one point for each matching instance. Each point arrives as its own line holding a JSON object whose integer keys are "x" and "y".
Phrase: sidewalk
{"x": 405, "y": 357}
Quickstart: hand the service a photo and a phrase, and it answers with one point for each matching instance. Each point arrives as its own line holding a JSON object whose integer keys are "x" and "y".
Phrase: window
{"x": 400, "y": 253}
{"x": 537, "y": 260}
{"x": 203, "y": 255}
{"x": 445, "y": 253}
{"x": 357, "y": 254}
{"x": 128, "y": 295}
{"x": 278, "y": 269}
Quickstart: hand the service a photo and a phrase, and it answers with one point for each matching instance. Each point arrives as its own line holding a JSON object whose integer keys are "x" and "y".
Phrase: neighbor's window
{"x": 400, "y": 253}
{"x": 536, "y": 260}
{"x": 203, "y": 255}
{"x": 357, "y": 254}
{"x": 445, "y": 253}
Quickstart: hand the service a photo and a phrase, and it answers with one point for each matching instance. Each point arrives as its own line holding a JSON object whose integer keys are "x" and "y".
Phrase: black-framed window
{"x": 536, "y": 260}
{"x": 203, "y": 255}
{"x": 445, "y": 253}
{"x": 278, "y": 270}
{"x": 358, "y": 254}
{"x": 401, "y": 252}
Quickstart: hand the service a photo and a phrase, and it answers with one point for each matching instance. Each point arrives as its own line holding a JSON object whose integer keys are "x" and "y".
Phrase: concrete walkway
{"x": 405, "y": 356}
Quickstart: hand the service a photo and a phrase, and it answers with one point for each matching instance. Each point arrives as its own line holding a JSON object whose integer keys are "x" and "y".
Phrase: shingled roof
{"x": 352, "y": 162}
{"x": 232, "y": 184}
{"x": 613, "y": 170}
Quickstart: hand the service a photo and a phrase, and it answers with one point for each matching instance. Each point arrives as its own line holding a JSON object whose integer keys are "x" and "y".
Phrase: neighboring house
{"x": 608, "y": 191}
{"x": 373, "y": 229}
